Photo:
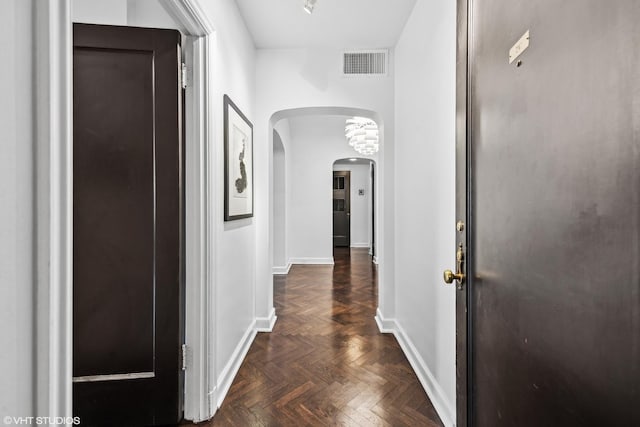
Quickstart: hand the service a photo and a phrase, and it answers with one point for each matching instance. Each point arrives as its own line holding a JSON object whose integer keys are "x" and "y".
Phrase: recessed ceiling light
{"x": 309, "y": 5}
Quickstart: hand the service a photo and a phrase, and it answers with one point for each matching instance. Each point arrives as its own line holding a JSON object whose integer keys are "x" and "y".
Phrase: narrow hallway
{"x": 325, "y": 363}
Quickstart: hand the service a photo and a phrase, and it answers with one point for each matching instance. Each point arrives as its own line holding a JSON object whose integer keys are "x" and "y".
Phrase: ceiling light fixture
{"x": 362, "y": 134}
{"x": 309, "y": 5}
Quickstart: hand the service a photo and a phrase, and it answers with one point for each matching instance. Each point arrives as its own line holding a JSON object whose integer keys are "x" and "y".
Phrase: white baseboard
{"x": 440, "y": 402}
{"x": 385, "y": 326}
{"x": 282, "y": 270}
{"x": 213, "y": 407}
{"x": 319, "y": 261}
{"x": 265, "y": 324}
{"x": 231, "y": 369}
{"x": 360, "y": 245}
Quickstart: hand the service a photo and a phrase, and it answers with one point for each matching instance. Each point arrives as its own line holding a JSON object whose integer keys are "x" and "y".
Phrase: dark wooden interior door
{"x": 341, "y": 209}
{"x": 127, "y": 300}
{"x": 554, "y": 295}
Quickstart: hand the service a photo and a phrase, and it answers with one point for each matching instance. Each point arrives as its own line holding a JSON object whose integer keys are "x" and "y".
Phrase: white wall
{"x": 137, "y": 13}
{"x": 360, "y": 204}
{"x": 425, "y": 193}
{"x": 280, "y": 254}
{"x": 112, "y": 12}
{"x": 233, "y": 67}
{"x": 233, "y": 60}
{"x": 301, "y": 78}
{"x": 282, "y": 128}
{"x": 16, "y": 210}
{"x": 147, "y": 13}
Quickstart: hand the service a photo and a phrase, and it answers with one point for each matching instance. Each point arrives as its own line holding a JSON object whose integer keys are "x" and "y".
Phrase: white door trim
{"x": 54, "y": 204}
{"x": 199, "y": 389}
{"x": 54, "y": 209}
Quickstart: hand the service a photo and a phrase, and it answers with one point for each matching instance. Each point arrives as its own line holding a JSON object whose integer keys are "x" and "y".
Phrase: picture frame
{"x": 238, "y": 163}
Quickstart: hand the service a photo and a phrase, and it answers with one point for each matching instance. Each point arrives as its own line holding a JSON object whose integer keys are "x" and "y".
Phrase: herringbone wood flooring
{"x": 325, "y": 363}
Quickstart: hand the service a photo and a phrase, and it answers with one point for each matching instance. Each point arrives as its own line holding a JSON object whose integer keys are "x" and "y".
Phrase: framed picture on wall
{"x": 238, "y": 163}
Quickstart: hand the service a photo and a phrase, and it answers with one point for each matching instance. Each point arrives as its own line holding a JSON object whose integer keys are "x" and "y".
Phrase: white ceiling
{"x": 349, "y": 24}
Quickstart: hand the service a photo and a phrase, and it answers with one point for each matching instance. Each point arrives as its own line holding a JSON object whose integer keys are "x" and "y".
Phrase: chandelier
{"x": 362, "y": 134}
{"x": 309, "y": 5}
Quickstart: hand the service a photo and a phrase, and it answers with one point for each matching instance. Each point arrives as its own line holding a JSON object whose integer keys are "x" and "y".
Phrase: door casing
{"x": 463, "y": 317}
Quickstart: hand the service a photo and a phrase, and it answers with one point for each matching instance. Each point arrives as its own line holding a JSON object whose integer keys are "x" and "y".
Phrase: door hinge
{"x": 183, "y": 75}
{"x": 184, "y": 357}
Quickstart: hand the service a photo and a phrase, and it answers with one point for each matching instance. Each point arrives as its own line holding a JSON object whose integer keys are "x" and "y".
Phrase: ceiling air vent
{"x": 365, "y": 63}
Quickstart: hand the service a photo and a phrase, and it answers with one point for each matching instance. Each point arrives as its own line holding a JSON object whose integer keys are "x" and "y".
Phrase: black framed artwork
{"x": 238, "y": 163}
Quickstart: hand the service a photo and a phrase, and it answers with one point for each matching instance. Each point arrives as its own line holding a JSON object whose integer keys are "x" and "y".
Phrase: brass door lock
{"x": 458, "y": 276}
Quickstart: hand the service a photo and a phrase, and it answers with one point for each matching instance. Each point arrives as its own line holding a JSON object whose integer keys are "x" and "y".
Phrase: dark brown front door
{"x": 341, "y": 208}
{"x": 553, "y": 213}
{"x": 127, "y": 226}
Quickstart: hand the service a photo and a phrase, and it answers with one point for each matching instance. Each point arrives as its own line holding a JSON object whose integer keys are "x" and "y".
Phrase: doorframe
{"x": 347, "y": 175}
{"x": 199, "y": 389}
{"x": 464, "y": 339}
{"x": 372, "y": 191}
{"x": 53, "y": 290}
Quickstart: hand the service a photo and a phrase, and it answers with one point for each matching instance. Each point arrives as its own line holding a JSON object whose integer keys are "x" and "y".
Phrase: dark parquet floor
{"x": 325, "y": 363}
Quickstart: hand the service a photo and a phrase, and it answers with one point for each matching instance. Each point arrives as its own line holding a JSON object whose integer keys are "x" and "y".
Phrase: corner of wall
{"x": 425, "y": 64}
{"x": 266, "y": 324}
{"x": 385, "y": 325}
{"x": 229, "y": 372}
{"x": 443, "y": 406}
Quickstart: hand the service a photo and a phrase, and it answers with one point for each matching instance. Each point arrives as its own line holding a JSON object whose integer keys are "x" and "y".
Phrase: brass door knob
{"x": 450, "y": 276}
